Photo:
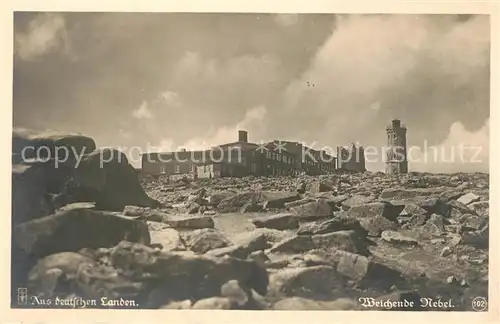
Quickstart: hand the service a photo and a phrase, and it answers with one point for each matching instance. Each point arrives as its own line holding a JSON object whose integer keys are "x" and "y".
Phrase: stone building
{"x": 351, "y": 158}
{"x": 308, "y": 160}
{"x": 396, "y": 157}
{"x": 241, "y": 158}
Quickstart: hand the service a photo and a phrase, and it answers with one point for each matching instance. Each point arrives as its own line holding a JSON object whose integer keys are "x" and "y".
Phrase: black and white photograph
{"x": 250, "y": 161}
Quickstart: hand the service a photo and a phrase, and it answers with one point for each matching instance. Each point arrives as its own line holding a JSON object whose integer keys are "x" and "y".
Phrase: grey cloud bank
{"x": 191, "y": 80}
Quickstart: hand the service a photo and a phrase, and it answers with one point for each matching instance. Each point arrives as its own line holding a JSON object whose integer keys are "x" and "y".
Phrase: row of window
{"x": 278, "y": 171}
{"x": 286, "y": 159}
{"x": 177, "y": 169}
{"x": 321, "y": 166}
{"x": 280, "y": 157}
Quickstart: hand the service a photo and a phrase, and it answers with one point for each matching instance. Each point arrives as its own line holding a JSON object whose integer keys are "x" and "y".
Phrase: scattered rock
{"x": 313, "y": 210}
{"x": 398, "y": 238}
{"x": 468, "y": 198}
{"x": 374, "y": 226}
{"x": 331, "y": 225}
{"x": 189, "y": 222}
{"x": 341, "y": 240}
{"x": 271, "y": 199}
{"x": 250, "y": 207}
{"x": 480, "y": 207}
{"x": 435, "y": 225}
{"x": 370, "y": 210}
{"x": 410, "y": 193}
{"x": 356, "y": 201}
{"x": 204, "y": 240}
{"x": 243, "y": 247}
{"x": 446, "y": 251}
{"x": 361, "y": 269}
{"x": 319, "y": 186}
{"x": 295, "y": 244}
{"x": 282, "y": 221}
{"x": 168, "y": 239}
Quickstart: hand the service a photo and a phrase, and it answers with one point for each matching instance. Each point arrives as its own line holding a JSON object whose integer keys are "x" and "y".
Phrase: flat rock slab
{"x": 243, "y": 247}
{"x": 411, "y": 193}
{"x": 284, "y": 221}
{"x": 78, "y": 205}
{"x": 468, "y": 198}
{"x": 312, "y": 210}
{"x": 272, "y": 199}
{"x": 398, "y": 238}
{"x": 384, "y": 209}
{"x": 187, "y": 222}
{"x": 331, "y": 225}
{"x": 356, "y": 200}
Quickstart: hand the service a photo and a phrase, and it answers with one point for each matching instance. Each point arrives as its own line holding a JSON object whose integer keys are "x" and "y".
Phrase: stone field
{"x": 284, "y": 243}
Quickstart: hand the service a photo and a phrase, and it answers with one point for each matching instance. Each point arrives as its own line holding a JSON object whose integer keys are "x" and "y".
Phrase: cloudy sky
{"x": 165, "y": 80}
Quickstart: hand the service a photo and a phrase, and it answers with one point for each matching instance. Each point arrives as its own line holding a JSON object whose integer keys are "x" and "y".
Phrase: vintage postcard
{"x": 251, "y": 160}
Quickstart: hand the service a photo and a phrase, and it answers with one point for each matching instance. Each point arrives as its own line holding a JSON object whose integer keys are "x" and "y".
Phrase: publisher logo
{"x": 22, "y": 296}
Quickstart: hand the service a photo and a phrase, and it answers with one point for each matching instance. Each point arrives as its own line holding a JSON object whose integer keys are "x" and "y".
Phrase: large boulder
{"x": 29, "y": 196}
{"x": 75, "y": 229}
{"x": 105, "y": 177}
{"x": 30, "y": 144}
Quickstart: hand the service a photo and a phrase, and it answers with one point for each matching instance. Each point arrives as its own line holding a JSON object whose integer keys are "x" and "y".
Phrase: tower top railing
{"x": 395, "y": 124}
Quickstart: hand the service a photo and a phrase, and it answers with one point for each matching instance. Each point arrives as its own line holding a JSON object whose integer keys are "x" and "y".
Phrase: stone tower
{"x": 396, "y": 159}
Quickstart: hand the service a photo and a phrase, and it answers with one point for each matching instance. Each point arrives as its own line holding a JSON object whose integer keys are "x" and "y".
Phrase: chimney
{"x": 242, "y": 136}
{"x": 183, "y": 150}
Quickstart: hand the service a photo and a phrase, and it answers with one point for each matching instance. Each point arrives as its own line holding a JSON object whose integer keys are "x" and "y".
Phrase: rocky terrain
{"x": 88, "y": 231}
